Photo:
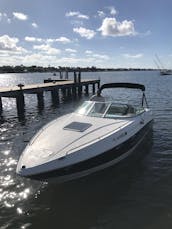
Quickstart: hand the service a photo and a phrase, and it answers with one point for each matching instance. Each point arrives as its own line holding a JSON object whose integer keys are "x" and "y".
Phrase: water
{"x": 136, "y": 194}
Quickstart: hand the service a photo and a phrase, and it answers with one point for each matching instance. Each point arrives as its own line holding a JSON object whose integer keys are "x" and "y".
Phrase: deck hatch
{"x": 77, "y": 126}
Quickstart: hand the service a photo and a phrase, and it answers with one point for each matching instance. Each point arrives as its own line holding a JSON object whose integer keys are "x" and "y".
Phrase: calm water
{"x": 135, "y": 194}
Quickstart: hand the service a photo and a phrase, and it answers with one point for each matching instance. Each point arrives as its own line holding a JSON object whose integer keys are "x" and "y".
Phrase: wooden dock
{"x": 70, "y": 88}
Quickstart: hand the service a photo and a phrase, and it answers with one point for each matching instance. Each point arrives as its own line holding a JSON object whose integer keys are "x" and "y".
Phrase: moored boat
{"x": 97, "y": 135}
{"x": 166, "y": 72}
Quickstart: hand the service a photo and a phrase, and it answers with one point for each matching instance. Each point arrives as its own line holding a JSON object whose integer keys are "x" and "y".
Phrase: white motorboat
{"x": 97, "y": 135}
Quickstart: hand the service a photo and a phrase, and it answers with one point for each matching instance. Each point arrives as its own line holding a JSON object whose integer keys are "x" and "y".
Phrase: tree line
{"x": 34, "y": 68}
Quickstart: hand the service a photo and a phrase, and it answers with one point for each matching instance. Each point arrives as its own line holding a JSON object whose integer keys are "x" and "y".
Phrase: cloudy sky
{"x": 102, "y": 33}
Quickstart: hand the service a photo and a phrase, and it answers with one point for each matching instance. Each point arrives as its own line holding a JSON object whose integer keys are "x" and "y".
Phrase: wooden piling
{"x": 69, "y": 92}
{"x": 79, "y": 77}
{"x": 66, "y": 75}
{"x": 40, "y": 97}
{"x": 0, "y": 105}
{"x": 55, "y": 96}
{"x": 98, "y": 84}
{"x": 86, "y": 90}
{"x": 61, "y": 75}
{"x": 80, "y": 90}
{"x": 74, "y": 77}
{"x": 93, "y": 88}
{"x": 74, "y": 91}
{"x": 63, "y": 91}
{"x": 20, "y": 103}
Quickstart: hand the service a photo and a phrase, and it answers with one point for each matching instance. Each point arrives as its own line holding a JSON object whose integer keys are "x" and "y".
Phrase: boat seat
{"x": 117, "y": 110}
{"x": 131, "y": 110}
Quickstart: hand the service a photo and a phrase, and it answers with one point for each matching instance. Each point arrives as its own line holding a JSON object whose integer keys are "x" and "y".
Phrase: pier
{"x": 67, "y": 88}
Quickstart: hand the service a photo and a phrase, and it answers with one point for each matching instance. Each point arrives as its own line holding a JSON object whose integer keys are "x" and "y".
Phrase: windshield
{"x": 84, "y": 108}
{"x": 107, "y": 109}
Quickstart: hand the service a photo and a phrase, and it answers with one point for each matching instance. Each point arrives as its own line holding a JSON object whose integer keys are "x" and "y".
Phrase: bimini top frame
{"x": 124, "y": 85}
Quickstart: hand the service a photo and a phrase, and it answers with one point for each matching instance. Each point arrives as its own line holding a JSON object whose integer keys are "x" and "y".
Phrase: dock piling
{"x": 86, "y": 90}
{"x": 20, "y": 103}
{"x": 79, "y": 77}
{"x": 80, "y": 90}
{"x": 98, "y": 84}
{"x": 40, "y": 97}
{"x": 74, "y": 91}
{"x": 66, "y": 75}
{"x": 0, "y": 105}
{"x": 55, "y": 96}
{"x": 74, "y": 77}
{"x": 69, "y": 92}
{"x": 93, "y": 88}
{"x": 61, "y": 75}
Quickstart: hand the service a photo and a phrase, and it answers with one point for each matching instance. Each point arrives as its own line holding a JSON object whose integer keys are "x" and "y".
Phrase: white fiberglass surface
{"x": 57, "y": 141}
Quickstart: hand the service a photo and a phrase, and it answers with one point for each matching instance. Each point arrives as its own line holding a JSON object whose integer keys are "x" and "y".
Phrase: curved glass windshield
{"x": 107, "y": 109}
{"x": 84, "y": 108}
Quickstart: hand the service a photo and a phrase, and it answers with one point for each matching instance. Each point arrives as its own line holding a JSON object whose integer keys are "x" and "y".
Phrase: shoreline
{"x": 38, "y": 69}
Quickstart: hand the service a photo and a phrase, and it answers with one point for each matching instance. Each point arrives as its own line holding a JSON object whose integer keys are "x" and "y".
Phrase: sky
{"x": 85, "y": 33}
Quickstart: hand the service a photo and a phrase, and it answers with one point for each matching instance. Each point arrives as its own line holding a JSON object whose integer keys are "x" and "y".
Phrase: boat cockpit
{"x": 108, "y": 110}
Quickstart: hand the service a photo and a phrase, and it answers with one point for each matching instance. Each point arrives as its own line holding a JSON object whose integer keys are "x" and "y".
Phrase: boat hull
{"x": 97, "y": 163}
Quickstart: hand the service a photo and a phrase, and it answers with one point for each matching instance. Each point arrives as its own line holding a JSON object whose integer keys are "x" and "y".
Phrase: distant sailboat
{"x": 163, "y": 71}
{"x": 166, "y": 72}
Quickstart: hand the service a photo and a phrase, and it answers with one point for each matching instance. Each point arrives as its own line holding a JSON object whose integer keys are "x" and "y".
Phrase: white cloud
{"x": 20, "y": 16}
{"x": 111, "y": 27}
{"x": 96, "y": 56}
{"x": 88, "y": 52}
{"x": 9, "y": 20}
{"x": 77, "y": 23}
{"x": 33, "y": 39}
{"x": 102, "y": 57}
{"x": 77, "y": 14}
{"x": 136, "y": 56}
{"x": 39, "y": 59}
{"x": 49, "y": 40}
{"x": 63, "y": 40}
{"x": 70, "y": 61}
{"x": 101, "y": 13}
{"x": 112, "y": 10}
{"x": 47, "y": 49}
{"x": 82, "y": 16}
{"x": 34, "y": 25}
{"x": 72, "y": 14}
{"x": 44, "y": 59}
{"x": 73, "y": 54}
{"x": 83, "y": 32}
{"x": 71, "y": 50}
{"x": 10, "y": 44}
{"x": 4, "y": 17}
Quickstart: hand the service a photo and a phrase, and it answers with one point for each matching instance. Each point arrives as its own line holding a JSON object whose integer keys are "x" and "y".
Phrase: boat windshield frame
{"x": 108, "y": 109}
{"x": 125, "y": 85}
